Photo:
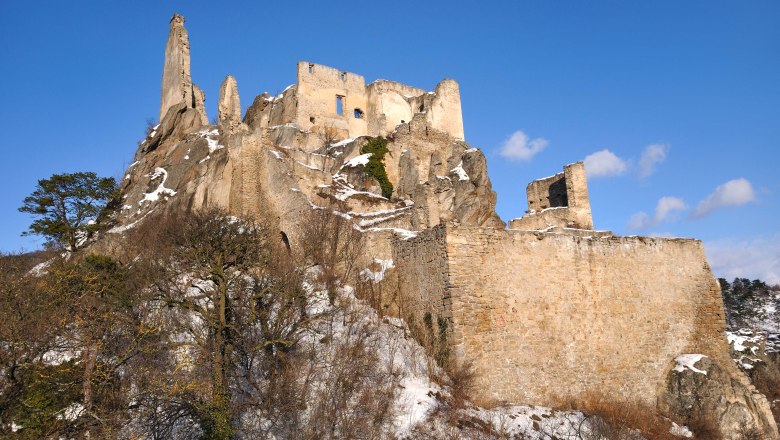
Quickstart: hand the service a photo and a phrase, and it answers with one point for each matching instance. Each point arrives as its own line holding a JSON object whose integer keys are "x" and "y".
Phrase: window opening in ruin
{"x": 311, "y": 68}
{"x": 556, "y": 194}
{"x": 402, "y": 121}
{"x": 343, "y": 76}
{"x": 339, "y": 105}
{"x": 422, "y": 108}
{"x": 358, "y": 113}
{"x": 311, "y": 119}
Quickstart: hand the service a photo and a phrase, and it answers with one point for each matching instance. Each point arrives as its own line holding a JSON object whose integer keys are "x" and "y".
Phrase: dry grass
{"x": 612, "y": 419}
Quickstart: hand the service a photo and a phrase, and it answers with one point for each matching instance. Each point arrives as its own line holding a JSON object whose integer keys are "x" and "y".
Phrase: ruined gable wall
{"x": 390, "y": 103}
{"x": 317, "y": 90}
{"x": 577, "y": 186}
{"x": 549, "y": 317}
{"x": 445, "y": 113}
{"x": 560, "y": 200}
{"x": 548, "y": 192}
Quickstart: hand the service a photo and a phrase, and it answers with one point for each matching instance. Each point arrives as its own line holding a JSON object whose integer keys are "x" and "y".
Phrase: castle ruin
{"x": 340, "y": 105}
{"x": 558, "y": 201}
{"x": 545, "y": 310}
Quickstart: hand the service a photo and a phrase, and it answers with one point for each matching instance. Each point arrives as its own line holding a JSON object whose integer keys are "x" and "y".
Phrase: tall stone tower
{"x": 177, "y": 83}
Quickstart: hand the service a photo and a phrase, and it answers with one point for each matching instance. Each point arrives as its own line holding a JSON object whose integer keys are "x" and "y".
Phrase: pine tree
{"x": 70, "y": 208}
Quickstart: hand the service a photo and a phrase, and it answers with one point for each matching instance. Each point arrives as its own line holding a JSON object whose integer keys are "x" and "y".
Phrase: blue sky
{"x": 690, "y": 86}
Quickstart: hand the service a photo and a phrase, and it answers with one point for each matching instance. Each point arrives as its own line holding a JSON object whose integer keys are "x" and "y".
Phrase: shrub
{"x": 375, "y": 167}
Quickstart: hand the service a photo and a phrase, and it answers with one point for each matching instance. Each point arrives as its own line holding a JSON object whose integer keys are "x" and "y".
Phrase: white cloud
{"x": 640, "y": 220}
{"x": 520, "y": 147}
{"x": 667, "y": 206}
{"x": 756, "y": 258}
{"x": 732, "y": 193}
{"x": 604, "y": 163}
{"x": 652, "y": 156}
{"x": 665, "y": 209}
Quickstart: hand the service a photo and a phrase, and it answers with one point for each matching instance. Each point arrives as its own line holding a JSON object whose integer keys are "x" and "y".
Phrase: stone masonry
{"x": 546, "y": 317}
{"x": 558, "y": 201}
{"x": 336, "y": 105}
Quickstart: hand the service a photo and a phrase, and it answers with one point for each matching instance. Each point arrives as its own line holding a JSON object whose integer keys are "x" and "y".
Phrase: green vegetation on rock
{"x": 375, "y": 167}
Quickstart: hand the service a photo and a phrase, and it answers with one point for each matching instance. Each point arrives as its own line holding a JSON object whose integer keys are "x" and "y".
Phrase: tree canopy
{"x": 69, "y": 208}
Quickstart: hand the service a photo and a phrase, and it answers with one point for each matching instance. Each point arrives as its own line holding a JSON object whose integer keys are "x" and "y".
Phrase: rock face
{"x": 177, "y": 84}
{"x": 700, "y": 390}
{"x": 229, "y": 105}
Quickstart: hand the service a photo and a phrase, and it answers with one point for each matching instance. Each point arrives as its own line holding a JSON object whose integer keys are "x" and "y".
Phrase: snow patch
{"x": 123, "y": 228}
{"x": 343, "y": 143}
{"x": 209, "y": 135}
{"x": 688, "y": 361}
{"x": 161, "y": 189}
{"x": 416, "y": 400}
{"x": 40, "y": 269}
{"x": 680, "y": 431}
{"x": 460, "y": 172}
{"x": 359, "y": 160}
{"x": 379, "y": 275}
{"x": 71, "y": 412}
{"x": 276, "y": 154}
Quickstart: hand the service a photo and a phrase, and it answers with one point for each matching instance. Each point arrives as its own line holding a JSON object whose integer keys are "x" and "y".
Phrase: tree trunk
{"x": 89, "y": 355}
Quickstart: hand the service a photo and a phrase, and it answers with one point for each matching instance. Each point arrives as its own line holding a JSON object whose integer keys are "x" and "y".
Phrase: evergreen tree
{"x": 70, "y": 208}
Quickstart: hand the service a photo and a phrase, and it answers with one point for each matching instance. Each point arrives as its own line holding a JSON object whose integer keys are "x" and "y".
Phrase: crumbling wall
{"x": 548, "y": 317}
{"x": 319, "y": 88}
{"x": 560, "y": 200}
{"x": 422, "y": 264}
{"x": 336, "y": 104}
{"x": 444, "y": 111}
{"x": 390, "y": 104}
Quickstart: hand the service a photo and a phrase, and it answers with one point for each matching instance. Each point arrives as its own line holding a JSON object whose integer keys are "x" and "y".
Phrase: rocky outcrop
{"x": 254, "y": 116}
{"x": 177, "y": 86}
{"x": 178, "y": 121}
{"x": 703, "y": 393}
{"x": 229, "y": 106}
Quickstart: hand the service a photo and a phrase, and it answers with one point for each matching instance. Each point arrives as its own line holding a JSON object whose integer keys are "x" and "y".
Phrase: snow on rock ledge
{"x": 688, "y": 361}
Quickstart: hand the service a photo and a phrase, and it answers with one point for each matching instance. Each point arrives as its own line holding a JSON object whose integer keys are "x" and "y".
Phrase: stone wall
{"x": 548, "y": 317}
{"x": 319, "y": 89}
{"x": 560, "y": 200}
{"x": 422, "y": 262}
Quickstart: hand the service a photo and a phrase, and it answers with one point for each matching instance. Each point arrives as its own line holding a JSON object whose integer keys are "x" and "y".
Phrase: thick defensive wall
{"x": 549, "y": 317}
